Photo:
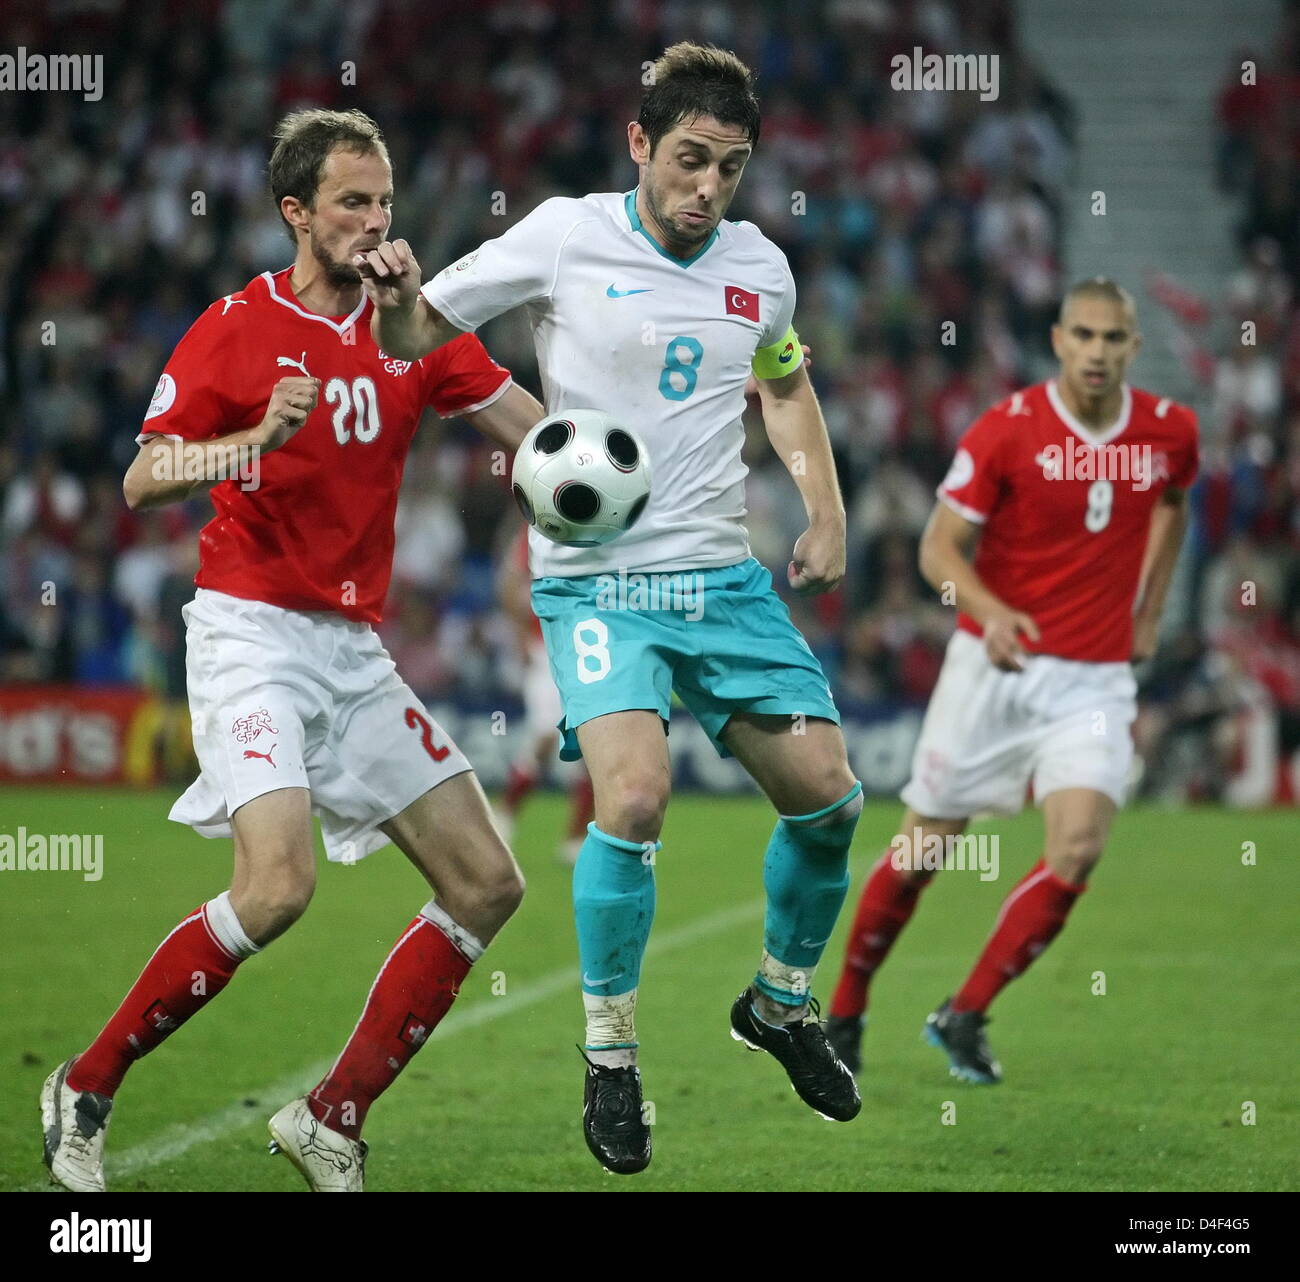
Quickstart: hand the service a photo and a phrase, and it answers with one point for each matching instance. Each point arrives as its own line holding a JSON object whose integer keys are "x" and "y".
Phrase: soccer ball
{"x": 581, "y": 478}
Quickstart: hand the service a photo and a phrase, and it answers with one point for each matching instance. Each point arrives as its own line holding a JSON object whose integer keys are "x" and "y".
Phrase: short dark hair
{"x": 691, "y": 80}
{"x": 1098, "y": 287}
{"x": 303, "y": 142}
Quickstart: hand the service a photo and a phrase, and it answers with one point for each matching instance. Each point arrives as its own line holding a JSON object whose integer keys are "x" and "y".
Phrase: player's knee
{"x": 503, "y": 892}
{"x": 633, "y": 809}
{"x": 269, "y": 906}
{"x": 494, "y": 888}
{"x": 833, "y": 788}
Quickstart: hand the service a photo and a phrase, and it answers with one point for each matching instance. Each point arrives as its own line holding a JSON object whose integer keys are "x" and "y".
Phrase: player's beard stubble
{"x": 340, "y": 274}
{"x": 681, "y": 237}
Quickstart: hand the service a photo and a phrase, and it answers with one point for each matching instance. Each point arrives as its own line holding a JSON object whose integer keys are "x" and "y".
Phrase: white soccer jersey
{"x": 665, "y": 344}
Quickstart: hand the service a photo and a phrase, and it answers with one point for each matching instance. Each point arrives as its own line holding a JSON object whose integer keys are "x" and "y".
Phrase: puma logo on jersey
{"x": 231, "y": 301}
{"x": 290, "y": 363}
{"x": 1050, "y": 463}
{"x": 265, "y": 756}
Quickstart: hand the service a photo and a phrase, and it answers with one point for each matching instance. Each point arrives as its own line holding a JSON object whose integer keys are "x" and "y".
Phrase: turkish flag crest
{"x": 740, "y": 302}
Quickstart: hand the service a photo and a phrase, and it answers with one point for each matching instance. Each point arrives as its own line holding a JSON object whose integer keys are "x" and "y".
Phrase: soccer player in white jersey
{"x": 649, "y": 305}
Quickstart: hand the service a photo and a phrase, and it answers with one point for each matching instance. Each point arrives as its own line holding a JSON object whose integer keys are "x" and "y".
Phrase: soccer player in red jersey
{"x": 1072, "y": 495}
{"x": 296, "y": 707}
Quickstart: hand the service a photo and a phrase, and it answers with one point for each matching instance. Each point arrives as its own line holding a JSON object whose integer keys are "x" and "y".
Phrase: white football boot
{"x": 329, "y": 1162}
{"x": 74, "y": 1126}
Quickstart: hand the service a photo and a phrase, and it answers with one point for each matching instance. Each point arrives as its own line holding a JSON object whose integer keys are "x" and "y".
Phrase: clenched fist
{"x": 292, "y": 400}
{"x": 390, "y": 275}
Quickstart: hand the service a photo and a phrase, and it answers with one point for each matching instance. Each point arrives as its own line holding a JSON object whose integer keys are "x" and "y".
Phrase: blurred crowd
{"x": 124, "y": 218}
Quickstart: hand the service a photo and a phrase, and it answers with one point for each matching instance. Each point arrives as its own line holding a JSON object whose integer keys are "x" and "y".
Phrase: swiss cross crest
{"x": 414, "y": 1032}
{"x": 246, "y": 729}
{"x": 161, "y": 1018}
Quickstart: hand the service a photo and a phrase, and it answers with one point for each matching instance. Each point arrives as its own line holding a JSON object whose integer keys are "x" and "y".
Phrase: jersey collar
{"x": 1083, "y": 433}
{"x": 634, "y": 220}
{"x": 339, "y": 327}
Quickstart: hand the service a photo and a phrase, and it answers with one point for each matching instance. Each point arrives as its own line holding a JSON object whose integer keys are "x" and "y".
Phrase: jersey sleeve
{"x": 189, "y": 402}
{"x": 464, "y": 378}
{"x": 779, "y": 352}
{"x": 974, "y": 480}
{"x": 1189, "y": 461}
{"x": 519, "y": 266}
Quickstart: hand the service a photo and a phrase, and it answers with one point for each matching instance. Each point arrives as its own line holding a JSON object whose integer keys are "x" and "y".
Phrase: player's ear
{"x": 1056, "y": 341}
{"x": 638, "y": 144}
{"x": 295, "y": 213}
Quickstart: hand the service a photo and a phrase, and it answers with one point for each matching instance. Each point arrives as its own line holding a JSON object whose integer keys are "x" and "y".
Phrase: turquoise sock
{"x": 614, "y": 906}
{"x": 806, "y": 875}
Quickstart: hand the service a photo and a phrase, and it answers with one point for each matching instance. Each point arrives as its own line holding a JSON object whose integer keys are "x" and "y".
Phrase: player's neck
{"x": 315, "y": 292}
{"x": 1097, "y": 413}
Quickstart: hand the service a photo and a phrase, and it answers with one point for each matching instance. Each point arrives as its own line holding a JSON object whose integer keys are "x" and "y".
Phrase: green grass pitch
{"x": 1144, "y": 1087}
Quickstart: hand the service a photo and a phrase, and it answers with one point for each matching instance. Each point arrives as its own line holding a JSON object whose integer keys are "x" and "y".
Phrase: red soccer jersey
{"x": 1066, "y": 512}
{"x": 317, "y": 531}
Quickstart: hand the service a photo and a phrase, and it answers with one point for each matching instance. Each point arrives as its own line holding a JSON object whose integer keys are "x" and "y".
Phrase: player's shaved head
{"x": 303, "y": 142}
{"x": 1101, "y": 287}
{"x": 690, "y": 81}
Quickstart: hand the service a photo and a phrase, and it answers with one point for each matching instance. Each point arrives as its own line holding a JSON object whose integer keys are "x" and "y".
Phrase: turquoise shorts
{"x": 720, "y": 638}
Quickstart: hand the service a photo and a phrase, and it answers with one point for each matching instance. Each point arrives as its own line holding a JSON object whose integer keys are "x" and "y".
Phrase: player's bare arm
{"x": 1168, "y": 524}
{"x": 168, "y": 471}
{"x": 946, "y": 548}
{"x": 513, "y": 584}
{"x": 509, "y": 418}
{"x": 795, "y": 427}
{"x": 403, "y": 324}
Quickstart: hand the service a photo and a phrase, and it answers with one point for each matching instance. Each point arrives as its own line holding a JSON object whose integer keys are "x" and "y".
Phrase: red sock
{"x": 582, "y": 806}
{"x": 519, "y": 783}
{"x": 1032, "y": 916}
{"x": 887, "y": 902}
{"x": 414, "y": 989}
{"x": 188, "y": 969}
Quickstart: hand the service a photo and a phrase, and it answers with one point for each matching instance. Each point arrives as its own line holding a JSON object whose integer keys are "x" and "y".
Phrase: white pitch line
{"x": 179, "y": 1138}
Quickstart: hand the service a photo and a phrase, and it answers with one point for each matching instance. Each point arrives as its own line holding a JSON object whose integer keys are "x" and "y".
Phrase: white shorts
{"x": 542, "y": 711}
{"x": 987, "y": 734}
{"x": 289, "y": 699}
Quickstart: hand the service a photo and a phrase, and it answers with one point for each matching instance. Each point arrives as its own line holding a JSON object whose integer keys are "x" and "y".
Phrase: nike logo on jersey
{"x": 611, "y": 292}
{"x": 290, "y": 363}
{"x": 599, "y": 983}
